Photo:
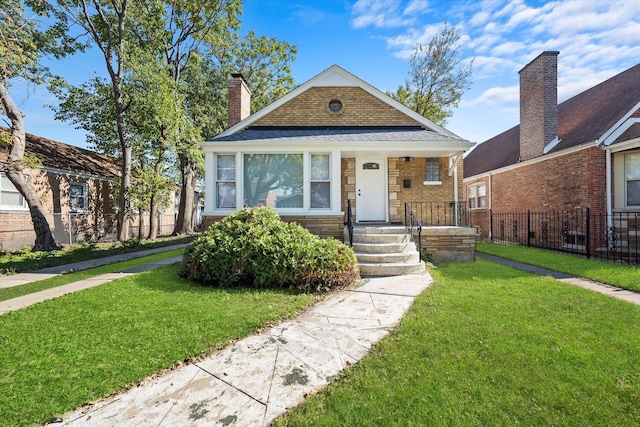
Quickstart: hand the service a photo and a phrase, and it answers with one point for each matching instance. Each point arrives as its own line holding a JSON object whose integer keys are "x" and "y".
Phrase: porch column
{"x": 209, "y": 182}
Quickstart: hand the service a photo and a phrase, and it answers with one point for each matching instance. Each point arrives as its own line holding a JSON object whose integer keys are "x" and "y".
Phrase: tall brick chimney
{"x": 538, "y": 104}
{"x": 239, "y": 99}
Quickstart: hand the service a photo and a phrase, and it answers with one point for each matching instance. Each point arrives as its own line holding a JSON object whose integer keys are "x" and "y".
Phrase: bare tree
{"x": 437, "y": 78}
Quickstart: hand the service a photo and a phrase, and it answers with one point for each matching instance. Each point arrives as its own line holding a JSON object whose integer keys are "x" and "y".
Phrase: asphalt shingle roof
{"x": 364, "y": 134}
{"x": 581, "y": 119}
{"x": 57, "y": 155}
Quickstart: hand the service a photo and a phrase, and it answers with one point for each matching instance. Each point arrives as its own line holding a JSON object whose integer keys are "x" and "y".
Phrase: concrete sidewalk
{"x": 24, "y": 278}
{"x": 612, "y": 291}
{"x": 258, "y": 378}
{"x": 33, "y": 298}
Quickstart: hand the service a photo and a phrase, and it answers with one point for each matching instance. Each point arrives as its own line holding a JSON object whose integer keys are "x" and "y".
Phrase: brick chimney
{"x": 239, "y": 99}
{"x": 538, "y": 104}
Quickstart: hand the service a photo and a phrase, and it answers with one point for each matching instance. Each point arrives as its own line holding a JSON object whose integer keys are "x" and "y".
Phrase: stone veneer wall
{"x": 323, "y": 226}
{"x": 449, "y": 244}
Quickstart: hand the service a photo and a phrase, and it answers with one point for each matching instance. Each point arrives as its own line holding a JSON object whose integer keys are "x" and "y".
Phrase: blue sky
{"x": 374, "y": 38}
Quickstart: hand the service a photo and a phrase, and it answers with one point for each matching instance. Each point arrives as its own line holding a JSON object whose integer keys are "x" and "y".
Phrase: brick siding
{"x": 359, "y": 109}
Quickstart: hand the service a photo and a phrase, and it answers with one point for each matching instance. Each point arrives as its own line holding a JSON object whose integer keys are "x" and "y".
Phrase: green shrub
{"x": 254, "y": 247}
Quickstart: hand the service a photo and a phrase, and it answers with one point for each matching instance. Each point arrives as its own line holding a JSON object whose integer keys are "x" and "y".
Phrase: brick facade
{"x": 359, "y": 109}
{"x": 570, "y": 181}
{"x": 400, "y": 171}
{"x": 239, "y": 102}
{"x": 538, "y": 105}
{"x": 91, "y": 224}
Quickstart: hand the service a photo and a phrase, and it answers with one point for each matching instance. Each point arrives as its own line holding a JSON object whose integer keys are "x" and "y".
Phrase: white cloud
{"x": 497, "y": 96}
{"x": 380, "y": 14}
{"x": 416, "y": 7}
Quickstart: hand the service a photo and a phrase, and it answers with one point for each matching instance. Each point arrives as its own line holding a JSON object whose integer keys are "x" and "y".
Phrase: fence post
{"x": 491, "y": 225}
{"x": 528, "y": 228}
{"x": 588, "y": 233}
{"x": 69, "y": 228}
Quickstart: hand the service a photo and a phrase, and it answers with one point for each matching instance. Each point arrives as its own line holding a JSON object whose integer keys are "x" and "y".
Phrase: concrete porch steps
{"x": 384, "y": 250}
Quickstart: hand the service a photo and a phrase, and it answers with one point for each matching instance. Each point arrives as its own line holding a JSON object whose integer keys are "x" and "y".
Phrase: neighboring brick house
{"x": 582, "y": 153}
{"x": 73, "y": 184}
{"x": 331, "y": 140}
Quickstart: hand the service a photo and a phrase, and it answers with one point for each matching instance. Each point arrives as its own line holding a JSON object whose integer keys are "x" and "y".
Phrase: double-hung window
{"x": 78, "y": 200}
{"x": 226, "y": 181}
{"x": 477, "y": 196}
{"x": 10, "y": 197}
{"x": 632, "y": 177}
{"x": 320, "y": 181}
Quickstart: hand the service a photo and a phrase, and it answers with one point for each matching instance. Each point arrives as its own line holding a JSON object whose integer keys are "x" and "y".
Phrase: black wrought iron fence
{"x": 440, "y": 213}
{"x": 614, "y": 237}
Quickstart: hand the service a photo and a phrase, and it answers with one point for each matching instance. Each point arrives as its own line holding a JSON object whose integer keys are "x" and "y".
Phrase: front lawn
{"x": 63, "y": 279}
{"x": 622, "y": 276}
{"x": 489, "y": 345}
{"x": 21, "y": 261}
{"x": 60, "y": 354}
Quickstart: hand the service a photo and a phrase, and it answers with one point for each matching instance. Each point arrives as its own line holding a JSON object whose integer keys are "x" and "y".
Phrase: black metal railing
{"x": 614, "y": 237}
{"x": 441, "y": 213}
{"x": 350, "y": 223}
{"x": 412, "y": 222}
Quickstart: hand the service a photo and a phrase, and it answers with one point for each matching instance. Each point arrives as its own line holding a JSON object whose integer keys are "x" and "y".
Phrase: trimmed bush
{"x": 254, "y": 247}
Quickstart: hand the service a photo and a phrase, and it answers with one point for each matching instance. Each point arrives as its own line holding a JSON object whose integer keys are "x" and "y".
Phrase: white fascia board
{"x": 606, "y": 137}
{"x": 337, "y": 76}
{"x": 623, "y": 146}
{"x": 453, "y": 148}
{"x": 619, "y": 131}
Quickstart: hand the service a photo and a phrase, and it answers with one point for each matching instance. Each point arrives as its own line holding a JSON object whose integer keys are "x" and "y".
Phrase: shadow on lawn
{"x": 166, "y": 279}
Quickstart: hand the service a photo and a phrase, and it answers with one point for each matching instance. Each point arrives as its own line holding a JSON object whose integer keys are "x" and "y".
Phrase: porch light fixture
{"x": 407, "y": 159}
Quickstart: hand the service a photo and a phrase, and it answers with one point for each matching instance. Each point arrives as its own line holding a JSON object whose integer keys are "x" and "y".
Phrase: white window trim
{"x": 24, "y": 207}
{"x": 85, "y": 208}
{"x": 477, "y": 197}
{"x": 619, "y": 192}
{"x": 335, "y": 180}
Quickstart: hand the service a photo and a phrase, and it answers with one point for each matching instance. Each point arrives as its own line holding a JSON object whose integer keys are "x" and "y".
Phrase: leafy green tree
{"x": 437, "y": 78}
{"x": 107, "y": 24}
{"x": 21, "y": 45}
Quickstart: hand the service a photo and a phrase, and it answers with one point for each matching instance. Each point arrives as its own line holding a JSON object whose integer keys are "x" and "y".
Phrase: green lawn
{"x": 63, "y": 279}
{"x": 60, "y": 354}
{"x": 622, "y": 276}
{"x": 21, "y": 261}
{"x": 488, "y": 345}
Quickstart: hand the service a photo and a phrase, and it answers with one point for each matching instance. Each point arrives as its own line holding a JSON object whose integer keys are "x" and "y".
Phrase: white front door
{"x": 371, "y": 190}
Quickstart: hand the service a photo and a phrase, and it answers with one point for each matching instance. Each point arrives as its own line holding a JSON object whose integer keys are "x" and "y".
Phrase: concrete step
{"x": 384, "y": 229}
{"x": 390, "y": 269}
{"x": 407, "y": 257}
{"x": 383, "y": 248}
{"x": 380, "y": 238}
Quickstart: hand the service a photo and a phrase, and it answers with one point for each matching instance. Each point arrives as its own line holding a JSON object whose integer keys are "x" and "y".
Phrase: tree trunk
{"x": 15, "y": 172}
{"x": 189, "y": 174}
{"x": 125, "y": 179}
{"x": 153, "y": 218}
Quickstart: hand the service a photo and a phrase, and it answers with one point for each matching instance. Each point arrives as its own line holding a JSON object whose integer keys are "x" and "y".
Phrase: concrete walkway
{"x": 257, "y": 379}
{"x": 612, "y": 291}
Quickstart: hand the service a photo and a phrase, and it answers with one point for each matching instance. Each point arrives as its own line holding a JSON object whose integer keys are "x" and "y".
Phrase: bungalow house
{"x": 77, "y": 188}
{"x": 579, "y": 159}
{"x": 331, "y": 146}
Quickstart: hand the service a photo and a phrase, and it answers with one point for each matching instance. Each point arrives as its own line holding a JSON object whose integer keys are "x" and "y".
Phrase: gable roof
{"x": 58, "y": 156}
{"x": 336, "y": 76}
{"x": 584, "y": 118}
